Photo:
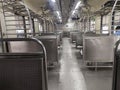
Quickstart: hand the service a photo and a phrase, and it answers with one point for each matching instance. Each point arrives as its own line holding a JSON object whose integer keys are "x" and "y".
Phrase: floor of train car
{"x": 71, "y": 75}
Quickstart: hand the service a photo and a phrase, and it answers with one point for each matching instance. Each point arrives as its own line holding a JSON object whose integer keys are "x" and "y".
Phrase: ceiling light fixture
{"x": 60, "y": 18}
{"x": 73, "y": 12}
{"x": 53, "y": 1}
{"x": 77, "y": 5}
{"x": 58, "y": 13}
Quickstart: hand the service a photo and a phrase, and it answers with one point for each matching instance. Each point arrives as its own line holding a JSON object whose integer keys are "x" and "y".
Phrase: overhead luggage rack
{"x": 18, "y": 19}
{"x": 14, "y": 20}
{"x": 114, "y": 16}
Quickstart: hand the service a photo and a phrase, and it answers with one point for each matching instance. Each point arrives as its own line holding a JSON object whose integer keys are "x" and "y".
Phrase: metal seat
{"x": 51, "y": 45}
{"x": 73, "y": 36}
{"x": 79, "y": 39}
{"x": 23, "y": 70}
{"x": 116, "y": 70}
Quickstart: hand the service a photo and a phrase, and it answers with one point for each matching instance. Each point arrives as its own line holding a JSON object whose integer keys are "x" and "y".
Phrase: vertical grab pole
{"x": 112, "y": 12}
{"x": 25, "y": 30}
{"x": 29, "y": 15}
{"x": 101, "y": 24}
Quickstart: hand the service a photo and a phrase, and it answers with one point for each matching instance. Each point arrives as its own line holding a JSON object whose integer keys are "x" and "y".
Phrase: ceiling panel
{"x": 66, "y": 8}
{"x": 96, "y": 5}
{"x": 35, "y": 5}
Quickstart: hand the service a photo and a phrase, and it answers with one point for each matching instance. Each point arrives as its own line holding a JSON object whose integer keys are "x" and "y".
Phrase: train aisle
{"x": 72, "y": 76}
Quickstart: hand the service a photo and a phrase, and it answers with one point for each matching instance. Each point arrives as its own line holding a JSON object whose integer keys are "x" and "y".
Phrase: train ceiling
{"x": 99, "y": 7}
{"x": 66, "y": 5}
{"x": 63, "y": 5}
{"x": 44, "y": 7}
{"x": 36, "y": 5}
{"x": 95, "y": 5}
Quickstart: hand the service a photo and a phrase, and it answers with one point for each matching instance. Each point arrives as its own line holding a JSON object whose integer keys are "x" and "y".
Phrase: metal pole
{"x": 89, "y": 23}
{"x": 48, "y": 26}
{"x": 55, "y": 27}
{"x": 43, "y": 27}
{"x": 47, "y": 30}
{"x": 2, "y": 44}
{"x": 84, "y": 25}
{"x": 24, "y": 25}
{"x": 112, "y": 23}
{"x": 52, "y": 25}
{"x": 33, "y": 24}
{"x": 29, "y": 15}
{"x": 112, "y": 12}
{"x": 101, "y": 24}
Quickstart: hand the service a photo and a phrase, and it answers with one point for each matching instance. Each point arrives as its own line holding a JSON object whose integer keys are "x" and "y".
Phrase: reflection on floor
{"x": 71, "y": 75}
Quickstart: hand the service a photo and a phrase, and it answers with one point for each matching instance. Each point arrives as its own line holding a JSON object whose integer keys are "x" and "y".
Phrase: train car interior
{"x": 59, "y": 44}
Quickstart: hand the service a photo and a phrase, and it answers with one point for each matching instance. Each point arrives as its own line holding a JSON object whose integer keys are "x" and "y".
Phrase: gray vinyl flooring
{"x": 71, "y": 75}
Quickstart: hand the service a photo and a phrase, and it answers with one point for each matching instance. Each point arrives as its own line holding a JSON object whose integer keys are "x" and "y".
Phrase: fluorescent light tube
{"x": 73, "y": 12}
{"x": 53, "y": 0}
{"x": 58, "y": 13}
{"x": 77, "y": 5}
